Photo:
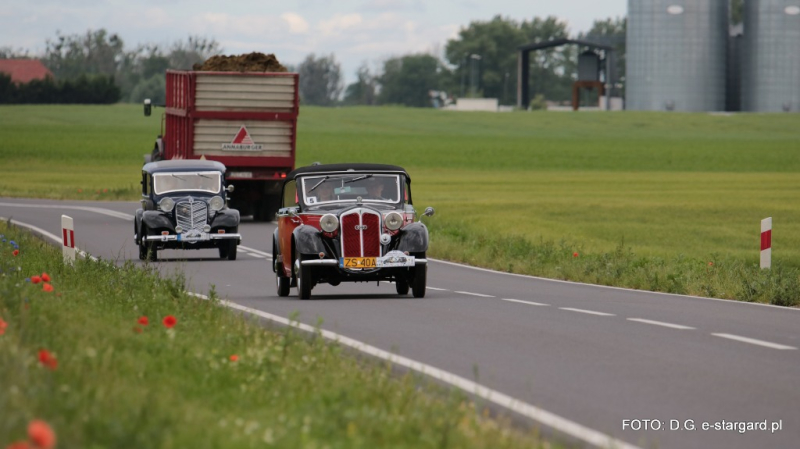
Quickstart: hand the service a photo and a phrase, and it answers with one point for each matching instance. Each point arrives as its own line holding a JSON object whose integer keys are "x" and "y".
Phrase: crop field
{"x": 563, "y": 195}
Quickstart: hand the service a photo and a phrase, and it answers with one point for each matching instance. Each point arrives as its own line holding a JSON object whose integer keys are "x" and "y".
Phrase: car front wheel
{"x": 401, "y": 285}
{"x": 420, "y": 279}
{"x": 304, "y": 281}
{"x": 283, "y": 282}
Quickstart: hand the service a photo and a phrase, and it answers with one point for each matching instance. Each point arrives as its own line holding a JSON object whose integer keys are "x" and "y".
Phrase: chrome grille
{"x": 360, "y": 233}
{"x": 191, "y": 215}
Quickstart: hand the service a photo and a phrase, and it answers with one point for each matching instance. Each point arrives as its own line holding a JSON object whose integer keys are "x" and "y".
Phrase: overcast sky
{"x": 355, "y": 31}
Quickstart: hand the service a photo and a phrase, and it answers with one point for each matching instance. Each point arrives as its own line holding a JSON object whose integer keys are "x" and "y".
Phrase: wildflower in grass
{"x": 36, "y": 279}
{"x": 45, "y": 277}
{"x": 47, "y": 287}
{"x": 143, "y": 321}
{"x": 15, "y": 252}
{"x": 80, "y": 190}
{"x": 575, "y": 254}
{"x": 19, "y": 445}
{"x": 137, "y": 329}
{"x": 47, "y": 359}
{"x": 234, "y": 358}
{"x": 41, "y": 434}
{"x": 169, "y": 321}
{"x": 711, "y": 264}
{"x": 3, "y": 326}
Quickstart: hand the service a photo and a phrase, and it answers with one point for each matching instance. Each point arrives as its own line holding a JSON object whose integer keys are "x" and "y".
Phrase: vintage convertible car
{"x": 349, "y": 223}
{"x": 184, "y": 207}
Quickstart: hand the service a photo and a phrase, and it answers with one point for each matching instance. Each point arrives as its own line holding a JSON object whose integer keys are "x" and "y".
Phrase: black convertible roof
{"x": 343, "y": 168}
{"x": 183, "y": 165}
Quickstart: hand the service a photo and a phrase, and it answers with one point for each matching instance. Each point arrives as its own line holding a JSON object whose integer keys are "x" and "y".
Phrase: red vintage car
{"x": 349, "y": 223}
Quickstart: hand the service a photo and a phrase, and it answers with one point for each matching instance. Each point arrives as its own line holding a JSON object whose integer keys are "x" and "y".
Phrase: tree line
{"x": 480, "y": 62}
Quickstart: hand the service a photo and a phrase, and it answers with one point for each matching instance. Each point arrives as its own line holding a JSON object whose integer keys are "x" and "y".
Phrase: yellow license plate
{"x": 358, "y": 262}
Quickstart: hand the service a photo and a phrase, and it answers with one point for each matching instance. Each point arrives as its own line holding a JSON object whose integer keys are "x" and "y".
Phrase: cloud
{"x": 297, "y": 24}
{"x": 339, "y": 23}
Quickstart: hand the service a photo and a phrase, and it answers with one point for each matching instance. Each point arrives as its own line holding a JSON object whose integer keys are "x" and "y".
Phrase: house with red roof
{"x": 24, "y": 70}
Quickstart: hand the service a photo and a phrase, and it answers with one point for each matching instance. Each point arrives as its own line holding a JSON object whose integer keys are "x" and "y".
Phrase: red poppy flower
{"x": 19, "y": 445}
{"x": 575, "y": 254}
{"x": 47, "y": 287}
{"x": 169, "y": 321}
{"x": 47, "y": 359}
{"x": 35, "y": 279}
{"x": 41, "y": 434}
{"x": 137, "y": 329}
{"x": 15, "y": 252}
{"x": 45, "y": 277}
{"x": 3, "y": 326}
{"x": 710, "y": 264}
{"x": 234, "y": 357}
{"x": 143, "y": 321}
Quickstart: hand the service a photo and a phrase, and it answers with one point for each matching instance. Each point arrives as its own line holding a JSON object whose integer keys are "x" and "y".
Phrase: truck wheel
{"x": 418, "y": 283}
{"x": 402, "y": 286}
{"x": 304, "y": 281}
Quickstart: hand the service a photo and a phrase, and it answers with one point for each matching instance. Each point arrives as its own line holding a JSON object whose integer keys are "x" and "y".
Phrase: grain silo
{"x": 771, "y": 68}
{"x": 676, "y": 55}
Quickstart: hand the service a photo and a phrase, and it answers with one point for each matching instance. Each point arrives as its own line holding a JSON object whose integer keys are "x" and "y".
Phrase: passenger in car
{"x": 375, "y": 189}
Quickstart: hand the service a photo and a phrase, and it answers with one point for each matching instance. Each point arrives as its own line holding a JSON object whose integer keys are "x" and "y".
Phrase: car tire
{"x": 420, "y": 279}
{"x": 152, "y": 251}
{"x": 223, "y": 250}
{"x": 283, "y": 282}
{"x": 233, "y": 245}
{"x": 401, "y": 285}
{"x": 304, "y": 281}
{"x": 142, "y": 247}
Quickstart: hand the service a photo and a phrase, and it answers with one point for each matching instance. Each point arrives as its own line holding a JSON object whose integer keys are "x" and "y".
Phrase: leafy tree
{"x": 320, "y": 80}
{"x": 11, "y": 53}
{"x": 737, "y": 11}
{"x": 96, "y": 52}
{"x": 363, "y": 91}
{"x": 407, "y": 80}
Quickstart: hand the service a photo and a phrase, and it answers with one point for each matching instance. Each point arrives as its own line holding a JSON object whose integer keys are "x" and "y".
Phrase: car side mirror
{"x": 147, "y": 107}
{"x": 429, "y": 212}
{"x": 229, "y": 189}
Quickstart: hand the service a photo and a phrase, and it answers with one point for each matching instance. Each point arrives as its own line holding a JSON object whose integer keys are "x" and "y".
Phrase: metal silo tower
{"x": 771, "y": 69}
{"x": 676, "y": 55}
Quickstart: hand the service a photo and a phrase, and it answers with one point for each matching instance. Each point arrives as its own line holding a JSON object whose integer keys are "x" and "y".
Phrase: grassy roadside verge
{"x": 211, "y": 380}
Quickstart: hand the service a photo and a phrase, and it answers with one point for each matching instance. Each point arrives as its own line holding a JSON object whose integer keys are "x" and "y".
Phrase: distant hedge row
{"x": 83, "y": 90}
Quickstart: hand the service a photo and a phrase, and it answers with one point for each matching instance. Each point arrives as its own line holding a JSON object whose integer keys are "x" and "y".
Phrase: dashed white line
{"x": 476, "y": 294}
{"x": 525, "y": 302}
{"x": 438, "y": 289}
{"x": 660, "y": 323}
{"x": 753, "y": 341}
{"x": 590, "y": 312}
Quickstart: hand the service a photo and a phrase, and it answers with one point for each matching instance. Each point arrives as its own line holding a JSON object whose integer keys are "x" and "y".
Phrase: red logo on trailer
{"x": 242, "y": 142}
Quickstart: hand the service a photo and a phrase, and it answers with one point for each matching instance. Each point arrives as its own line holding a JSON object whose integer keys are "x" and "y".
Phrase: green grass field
{"x": 664, "y": 186}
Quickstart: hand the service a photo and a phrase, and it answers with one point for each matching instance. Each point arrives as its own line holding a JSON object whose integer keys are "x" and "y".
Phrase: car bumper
{"x": 338, "y": 263}
{"x": 192, "y": 239}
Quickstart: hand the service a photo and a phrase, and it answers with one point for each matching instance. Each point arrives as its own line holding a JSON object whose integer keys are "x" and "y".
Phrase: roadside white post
{"x": 68, "y": 242}
{"x": 766, "y": 243}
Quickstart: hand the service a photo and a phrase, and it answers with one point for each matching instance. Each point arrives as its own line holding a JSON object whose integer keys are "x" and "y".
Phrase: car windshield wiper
{"x": 176, "y": 176}
{"x": 203, "y": 176}
{"x": 317, "y": 184}
{"x": 357, "y": 179}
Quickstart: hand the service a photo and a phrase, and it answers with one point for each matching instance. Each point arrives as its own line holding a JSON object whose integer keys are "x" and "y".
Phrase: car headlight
{"x": 166, "y": 204}
{"x": 216, "y": 203}
{"x": 329, "y": 222}
{"x": 393, "y": 221}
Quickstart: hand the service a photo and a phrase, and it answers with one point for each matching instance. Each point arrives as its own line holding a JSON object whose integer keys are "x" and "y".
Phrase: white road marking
{"x": 660, "y": 323}
{"x": 753, "y": 341}
{"x": 475, "y": 294}
{"x": 255, "y": 251}
{"x": 437, "y": 289}
{"x": 542, "y": 416}
{"x": 590, "y": 312}
{"x": 525, "y": 302}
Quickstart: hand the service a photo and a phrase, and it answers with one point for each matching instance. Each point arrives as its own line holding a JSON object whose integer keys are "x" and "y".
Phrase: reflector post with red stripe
{"x": 68, "y": 239}
{"x": 766, "y": 243}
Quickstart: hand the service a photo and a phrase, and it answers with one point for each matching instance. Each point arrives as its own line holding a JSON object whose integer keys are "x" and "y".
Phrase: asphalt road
{"x": 587, "y": 362}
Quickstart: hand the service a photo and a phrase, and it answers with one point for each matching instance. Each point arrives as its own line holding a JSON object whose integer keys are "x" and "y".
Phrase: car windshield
{"x": 331, "y": 189}
{"x": 175, "y": 182}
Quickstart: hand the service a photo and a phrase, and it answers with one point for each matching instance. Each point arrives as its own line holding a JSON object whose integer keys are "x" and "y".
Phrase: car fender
{"x": 307, "y": 240}
{"x": 413, "y": 238}
{"x": 155, "y": 219}
{"x": 226, "y": 218}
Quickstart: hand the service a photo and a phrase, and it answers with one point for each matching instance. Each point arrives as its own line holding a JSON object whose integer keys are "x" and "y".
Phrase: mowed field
{"x": 661, "y": 185}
